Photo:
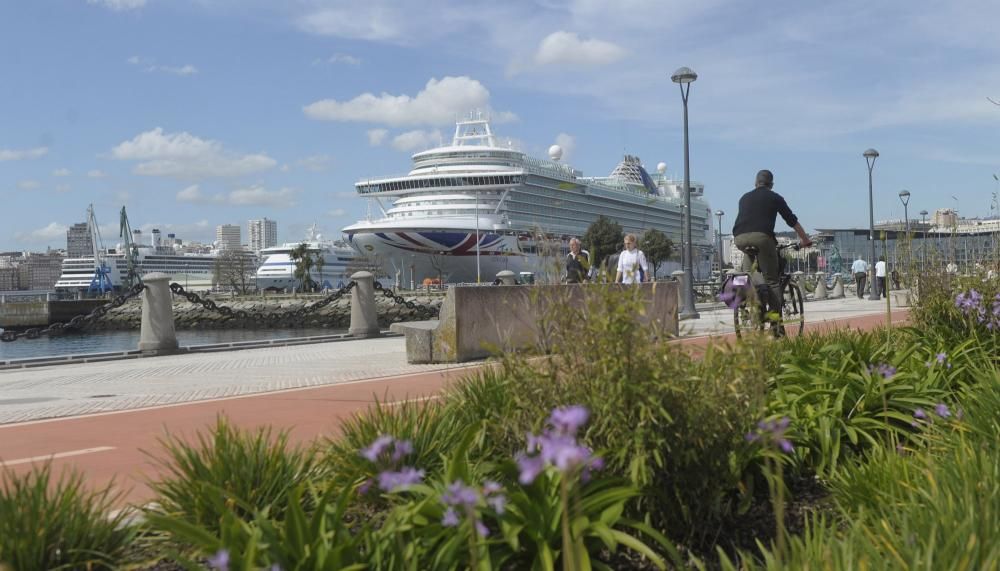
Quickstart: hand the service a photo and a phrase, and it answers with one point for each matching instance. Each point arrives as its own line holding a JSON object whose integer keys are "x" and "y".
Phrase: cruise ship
{"x": 193, "y": 271}
{"x": 522, "y": 209}
{"x": 278, "y": 268}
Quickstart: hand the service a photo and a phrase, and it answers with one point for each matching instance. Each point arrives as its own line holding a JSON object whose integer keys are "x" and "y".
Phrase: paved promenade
{"x": 100, "y": 417}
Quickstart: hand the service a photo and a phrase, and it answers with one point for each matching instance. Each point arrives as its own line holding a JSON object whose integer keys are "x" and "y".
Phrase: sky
{"x": 195, "y": 113}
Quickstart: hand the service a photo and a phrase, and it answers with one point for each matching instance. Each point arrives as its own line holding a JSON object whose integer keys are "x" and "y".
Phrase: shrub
{"x": 666, "y": 419}
{"x": 59, "y": 525}
{"x": 254, "y": 467}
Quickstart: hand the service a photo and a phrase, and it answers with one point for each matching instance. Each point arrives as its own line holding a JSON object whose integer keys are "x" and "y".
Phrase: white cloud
{"x": 285, "y": 168}
{"x": 439, "y": 103}
{"x": 185, "y": 156}
{"x": 53, "y": 231}
{"x": 61, "y": 172}
{"x": 337, "y": 212}
{"x": 22, "y": 154}
{"x": 123, "y": 196}
{"x": 315, "y": 163}
{"x": 150, "y": 66}
{"x": 194, "y": 194}
{"x": 258, "y": 196}
{"x": 416, "y": 140}
{"x": 346, "y": 59}
{"x": 28, "y": 184}
{"x": 376, "y": 136}
{"x": 566, "y": 48}
{"x": 568, "y": 144}
{"x": 63, "y": 188}
{"x": 96, "y": 174}
{"x": 119, "y": 5}
{"x": 362, "y": 21}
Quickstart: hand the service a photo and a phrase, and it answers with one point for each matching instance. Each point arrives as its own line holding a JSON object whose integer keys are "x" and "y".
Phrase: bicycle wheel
{"x": 749, "y": 314}
{"x": 793, "y": 316}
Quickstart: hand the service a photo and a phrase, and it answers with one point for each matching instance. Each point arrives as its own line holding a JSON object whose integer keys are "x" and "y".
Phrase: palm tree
{"x": 304, "y": 263}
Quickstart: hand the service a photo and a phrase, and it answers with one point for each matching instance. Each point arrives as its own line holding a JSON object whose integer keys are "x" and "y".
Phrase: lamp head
{"x": 923, "y": 213}
{"x": 904, "y": 195}
{"x": 719, "y": 213}
{"x": 870, "y": 154}
{"x": 684, "y": 75}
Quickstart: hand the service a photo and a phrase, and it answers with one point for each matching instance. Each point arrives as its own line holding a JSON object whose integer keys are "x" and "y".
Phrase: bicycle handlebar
{"x": 795, "y": 246}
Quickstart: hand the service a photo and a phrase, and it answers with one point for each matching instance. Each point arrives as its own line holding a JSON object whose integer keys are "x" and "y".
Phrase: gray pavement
{"x": 88, "y": 388}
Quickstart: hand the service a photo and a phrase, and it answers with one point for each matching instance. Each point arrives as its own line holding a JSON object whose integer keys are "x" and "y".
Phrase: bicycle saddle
{"x": 751, "y": 251}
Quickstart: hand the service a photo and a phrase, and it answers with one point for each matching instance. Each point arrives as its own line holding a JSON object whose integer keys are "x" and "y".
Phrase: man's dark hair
{"x": 765, "y": 178}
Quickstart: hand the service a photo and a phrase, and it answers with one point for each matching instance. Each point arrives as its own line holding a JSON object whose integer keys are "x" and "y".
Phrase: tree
{"x": 657, "y": 247}
{"x": 304, "y": 263}
{"x": 235, "y": 269}
{"x": 602, "y": 238}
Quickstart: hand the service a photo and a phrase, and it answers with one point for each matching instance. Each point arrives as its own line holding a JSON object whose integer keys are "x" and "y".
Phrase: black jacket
{"x": 758, "y": 210}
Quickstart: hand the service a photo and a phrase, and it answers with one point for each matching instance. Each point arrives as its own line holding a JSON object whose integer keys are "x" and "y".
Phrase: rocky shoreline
{"x": 266, "y": 312}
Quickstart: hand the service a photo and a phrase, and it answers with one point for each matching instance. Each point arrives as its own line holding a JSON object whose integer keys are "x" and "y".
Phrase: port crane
{"x": 131, "y": 252}
{"x": 101, "y": 282}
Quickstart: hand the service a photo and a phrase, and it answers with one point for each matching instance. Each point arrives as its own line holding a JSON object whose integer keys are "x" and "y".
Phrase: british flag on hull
{"x": 444, "y": 243}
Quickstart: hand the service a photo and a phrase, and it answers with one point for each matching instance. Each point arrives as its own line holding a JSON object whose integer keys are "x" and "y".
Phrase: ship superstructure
{"x": 277, "y": 271}
{"x": 425, "y": 224}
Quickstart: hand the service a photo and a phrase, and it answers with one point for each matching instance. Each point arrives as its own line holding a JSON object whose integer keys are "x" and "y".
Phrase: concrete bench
{"x": 900, "y": 297}
{"x": 475, "y": 322}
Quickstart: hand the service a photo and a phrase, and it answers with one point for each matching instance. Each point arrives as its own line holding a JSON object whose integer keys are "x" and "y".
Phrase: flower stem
{"x": 569, "y": 554}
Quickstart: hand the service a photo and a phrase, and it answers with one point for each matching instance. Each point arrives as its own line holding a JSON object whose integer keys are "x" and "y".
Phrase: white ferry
{"x": 517, "y": 206}
{"x": 278, "y": 268}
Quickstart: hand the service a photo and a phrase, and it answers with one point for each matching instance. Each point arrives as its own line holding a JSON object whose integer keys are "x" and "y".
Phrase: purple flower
{"x": 481, "y": 529}
{"x": 219, "y": 561}
{"x": 391, "y": 481}
{"x": 887, "y": 371}
{"x": 365, "y": 486}
{"x": 491, "y": 487}
{"x": 941, "y": 357}
{"x": 569, "y": 419}
{"x": 401, "y": 449}
{"x": 530, "y": 466}
{"x": 450, "y": 518}
{"x": 459, "y": 494}
{"x": 942, "y": 410}
{"x": 773, "y": 432}
{"x": 377, "y": 448}
{"x": 498, "y": 503}
{"x": 919, "y": 413}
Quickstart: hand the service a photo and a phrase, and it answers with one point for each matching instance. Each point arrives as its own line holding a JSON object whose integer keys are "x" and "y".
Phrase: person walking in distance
{"x": 754, "y": 227}
{"x": 577, "y": 263}
{"x": 632, "y": 267}
{"x": 880, "y": 275}
{"x": 860, "y": 270}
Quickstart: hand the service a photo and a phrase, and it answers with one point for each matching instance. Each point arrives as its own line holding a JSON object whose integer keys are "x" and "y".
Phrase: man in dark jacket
{"x": 577, "y": 263}
{"x": 754, "y": 226}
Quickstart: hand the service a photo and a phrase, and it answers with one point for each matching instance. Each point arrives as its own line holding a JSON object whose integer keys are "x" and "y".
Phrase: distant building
{"x": 79, "y": 243}
{"x": 39, "y": 271}
{"x": 227, "y": 237}
{"x": 8, "y": 278}
{"x": 263, "y": 234}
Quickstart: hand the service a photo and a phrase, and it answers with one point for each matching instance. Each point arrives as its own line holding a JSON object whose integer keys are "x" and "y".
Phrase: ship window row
{"x": 439, "y": 182}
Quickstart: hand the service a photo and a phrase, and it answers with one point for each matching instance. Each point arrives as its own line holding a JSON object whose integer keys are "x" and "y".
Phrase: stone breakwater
{"x": 337, "y": 315}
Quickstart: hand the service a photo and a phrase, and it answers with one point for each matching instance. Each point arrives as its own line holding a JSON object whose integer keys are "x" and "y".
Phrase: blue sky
{"x": 195, "y": 113}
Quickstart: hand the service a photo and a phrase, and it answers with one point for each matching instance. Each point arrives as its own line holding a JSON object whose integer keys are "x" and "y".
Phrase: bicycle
{"x": 745, "y": 292}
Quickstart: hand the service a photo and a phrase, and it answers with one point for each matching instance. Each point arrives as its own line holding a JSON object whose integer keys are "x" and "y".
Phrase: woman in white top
{"x": 632, "y": 267}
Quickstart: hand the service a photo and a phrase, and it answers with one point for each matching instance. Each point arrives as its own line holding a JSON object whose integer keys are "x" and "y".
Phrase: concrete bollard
{"x": 156, "y": 333}
{"x": 838, "y": 287}
{"x": 679, "y": 276}
{"x": 507, "y": 277}
{"x": 821, "y": 292}
{"x": 364, "y": 318}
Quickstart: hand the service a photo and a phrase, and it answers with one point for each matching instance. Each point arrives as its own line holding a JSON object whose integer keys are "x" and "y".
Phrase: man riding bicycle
{"x": 754, "y": 227}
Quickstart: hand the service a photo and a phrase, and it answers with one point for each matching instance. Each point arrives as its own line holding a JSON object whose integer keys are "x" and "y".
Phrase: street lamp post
{"x": 923, "y": 243}
{"x": 870, "y": 156}
{"x": 904, "y": 197}
{"x": 719, "y": 214}
{"x": 683, "y": 77}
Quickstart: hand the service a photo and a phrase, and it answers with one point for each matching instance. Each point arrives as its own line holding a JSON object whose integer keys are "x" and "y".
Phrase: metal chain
{"x": 78, "y": 322}
{"x": 266, "y": 318}
{"x": 422, "y": 310}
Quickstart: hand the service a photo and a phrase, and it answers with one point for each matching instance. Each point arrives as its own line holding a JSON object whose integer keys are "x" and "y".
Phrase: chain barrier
{"x": 422, "y": 310}
{"x": 268, "y": 319}
{"x": 78, "y": 322}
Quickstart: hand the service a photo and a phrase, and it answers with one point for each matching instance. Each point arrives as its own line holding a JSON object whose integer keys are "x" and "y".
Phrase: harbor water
{"x": 109, "y": 341}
